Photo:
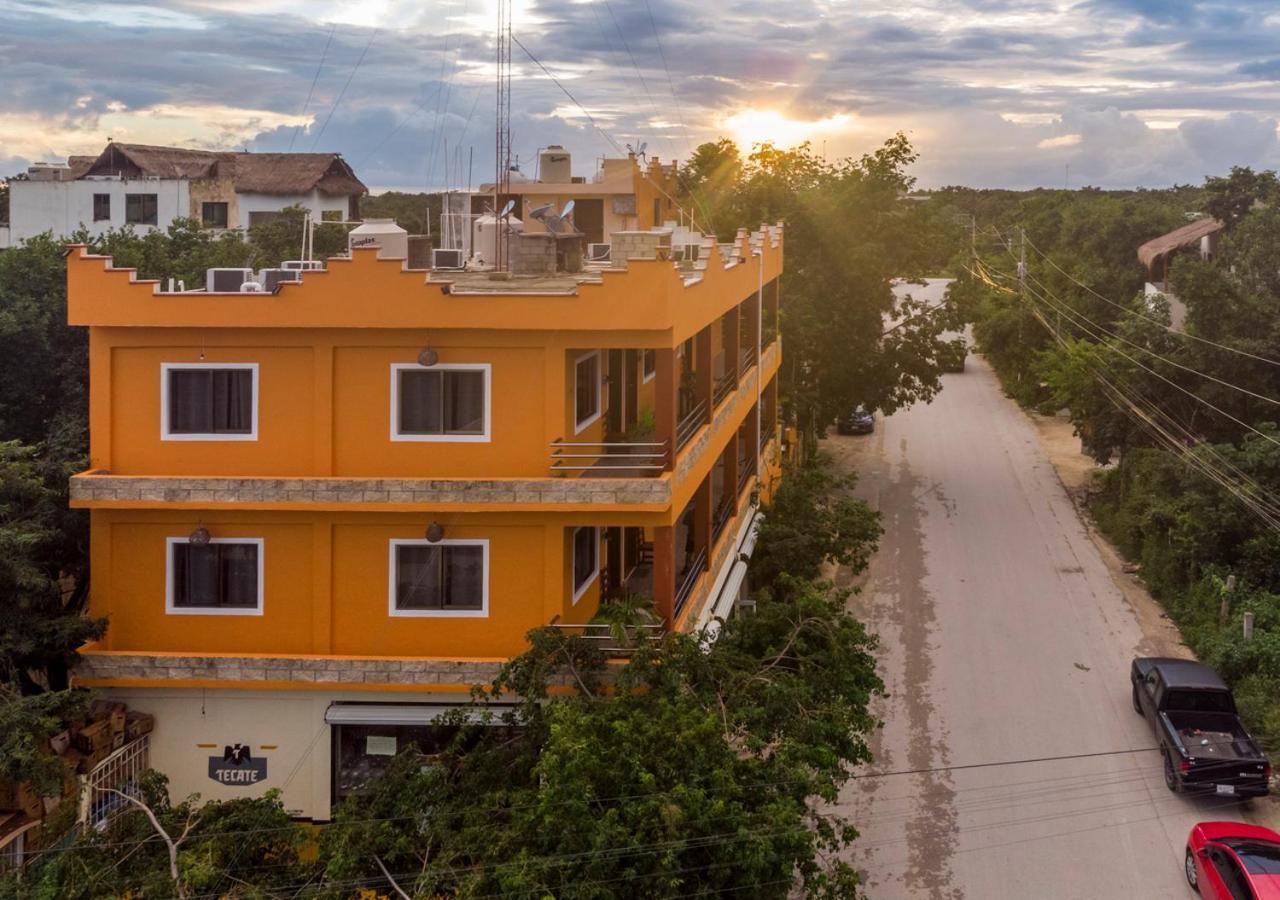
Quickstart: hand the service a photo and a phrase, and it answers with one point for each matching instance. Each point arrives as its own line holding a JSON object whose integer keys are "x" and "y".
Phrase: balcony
{"x": 724, "y": 386}
{"x": 687, "y": 580}
{"x": 614, "y": 641}
{"x": 614, "y": 459}
{"x": 746, "y": 359}
{"x": 689, "y": 424}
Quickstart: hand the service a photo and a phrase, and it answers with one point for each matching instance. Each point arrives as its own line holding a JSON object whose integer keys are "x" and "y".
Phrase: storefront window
{"x": 363, "y": 752}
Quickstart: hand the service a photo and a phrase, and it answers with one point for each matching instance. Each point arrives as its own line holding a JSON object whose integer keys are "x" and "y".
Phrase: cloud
{"x": 992, "y": 91}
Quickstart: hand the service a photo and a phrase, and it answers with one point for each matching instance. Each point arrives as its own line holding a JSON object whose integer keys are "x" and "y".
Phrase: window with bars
{"x": 221, "y": 576}
{"x": 102, "y": 207}
{"x": 441, "y": 578}
{"x": 441, "y": 403}
{"x": 210, "y": 402}
{"x": 141, "y": 209}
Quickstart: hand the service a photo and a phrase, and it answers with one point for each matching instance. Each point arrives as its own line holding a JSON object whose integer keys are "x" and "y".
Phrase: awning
{"x": 392, "y": 713}
{"x": 729, "y": 593}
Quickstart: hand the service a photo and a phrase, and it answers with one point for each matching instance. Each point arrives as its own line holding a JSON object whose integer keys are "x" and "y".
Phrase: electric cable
{"x": 311, "y": 91}
{"x": 333, "y": 109}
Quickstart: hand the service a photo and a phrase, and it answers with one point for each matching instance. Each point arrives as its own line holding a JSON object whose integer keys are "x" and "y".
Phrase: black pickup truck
{"x": 1204, "y": 744}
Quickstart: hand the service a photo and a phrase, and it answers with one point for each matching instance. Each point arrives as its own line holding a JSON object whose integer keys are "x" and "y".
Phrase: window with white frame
{"x": 446, "y": 402}
{"x": 586, "y": 390}
{"x": 209, "y": 401}
{"x": 222, "y": 576}
{"x": 649, "y": 364}
{"x": 444, "y": 578}
{"x": 586, "y": 559}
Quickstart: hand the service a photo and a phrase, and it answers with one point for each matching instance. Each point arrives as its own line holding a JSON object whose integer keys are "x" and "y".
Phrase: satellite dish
{"x": 568, "y": 210}
{"x": 506, "y": 210}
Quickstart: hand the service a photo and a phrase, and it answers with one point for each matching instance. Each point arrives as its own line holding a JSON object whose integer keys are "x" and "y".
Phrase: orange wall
{"x": 326, "y": 582}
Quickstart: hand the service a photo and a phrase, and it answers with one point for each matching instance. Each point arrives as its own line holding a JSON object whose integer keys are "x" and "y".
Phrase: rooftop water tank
{"x": 554, "y": 165}
{"x": 484, "y": 236}
{"x": 391, "y": 240}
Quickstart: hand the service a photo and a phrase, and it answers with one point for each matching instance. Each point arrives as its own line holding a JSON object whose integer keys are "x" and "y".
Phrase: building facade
{"x": 320, "y": 516}
{"x": 148, "y": 187}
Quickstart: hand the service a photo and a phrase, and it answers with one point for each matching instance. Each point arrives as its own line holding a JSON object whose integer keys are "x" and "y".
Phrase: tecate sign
{"x": 237, "y": 766}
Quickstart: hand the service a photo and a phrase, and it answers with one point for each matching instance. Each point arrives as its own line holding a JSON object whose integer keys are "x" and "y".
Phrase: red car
{"x": 1234, "y": 861}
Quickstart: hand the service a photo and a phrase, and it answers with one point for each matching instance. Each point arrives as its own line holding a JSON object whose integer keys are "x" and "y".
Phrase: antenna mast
{"x": 502, "y": 143}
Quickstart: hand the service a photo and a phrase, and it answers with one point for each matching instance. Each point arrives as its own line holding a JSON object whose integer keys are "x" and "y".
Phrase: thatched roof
{"x": 1186, "y": 236}
{"x": 79, "y": 165}
{"x": 253, "y": 173}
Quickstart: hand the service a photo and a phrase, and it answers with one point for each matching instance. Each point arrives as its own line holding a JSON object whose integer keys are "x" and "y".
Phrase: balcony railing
{"x": 745, "y": 471}
{"x": 725, "y": 386}
{"x": 613, "y": 640}
{"x": 618, "y": 459}
{"x": 689, "y": 425}
{"x": 724, "y": 512}
{"x": 765, "y": 435}
{"x": 746, "y": 359}
{"x": 768, "y": 336}
{"x": 689, "y": 580}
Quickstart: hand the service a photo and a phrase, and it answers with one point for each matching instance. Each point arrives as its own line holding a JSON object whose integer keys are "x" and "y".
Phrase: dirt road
{"x": 1005, "y": 639}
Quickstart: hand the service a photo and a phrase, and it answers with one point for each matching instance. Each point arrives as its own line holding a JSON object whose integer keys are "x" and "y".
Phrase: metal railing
{"x": 689, "y": 425}
{"x": 765, "y": 436}
{"x": 120, "y": 772}
{"x": 745, "y": 471}
{"x": 613, "y": 640}
{"x": 608, "y": 457}
{"x": 692, "y": 572}
{"x": 725, "y": 385}
{"x": 724, "y": 512}
{"x": 746, "y": 359}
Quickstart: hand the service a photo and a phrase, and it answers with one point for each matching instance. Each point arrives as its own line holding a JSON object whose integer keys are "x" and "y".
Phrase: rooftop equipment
{"x": 554, "y": 165}
{"x": 598, "y": 252}
{"x": 447, "y": 260}
{"x": 226, "y": 281}
{"x": 270, "y": 279}
{"x": 391, "y": 240}
{"x": 304, "y": 265}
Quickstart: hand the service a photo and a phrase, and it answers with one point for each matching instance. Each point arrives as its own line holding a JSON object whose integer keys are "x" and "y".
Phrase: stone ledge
{"x": 339, "y": 672}
{"x": 94, "y": 487}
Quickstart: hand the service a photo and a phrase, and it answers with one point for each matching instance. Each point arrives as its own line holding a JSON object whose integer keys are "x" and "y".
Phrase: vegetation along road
{"x": 1004, "y": 638}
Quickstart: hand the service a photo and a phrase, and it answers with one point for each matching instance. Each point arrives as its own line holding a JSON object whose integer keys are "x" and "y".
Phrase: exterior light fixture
{"x": 428, "y": 357}
{"x": 755, "y": 496}
{"x": 435, "y": 533}
{"x": 200, "y": 536}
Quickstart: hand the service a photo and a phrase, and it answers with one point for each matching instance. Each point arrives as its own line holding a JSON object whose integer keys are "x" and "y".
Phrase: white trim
{"x": 582, "y": 424}
{"x": 166, "y": 368}
{"x": 171, "y": 610}
{"x": 573, "y": 561}
{"x": 645, "y": 378}
{"x": 481, "y": 613}
{"x": 483, "y": 438}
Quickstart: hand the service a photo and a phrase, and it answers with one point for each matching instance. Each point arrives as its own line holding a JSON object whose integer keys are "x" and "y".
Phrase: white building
{"x": 148, "y": 187}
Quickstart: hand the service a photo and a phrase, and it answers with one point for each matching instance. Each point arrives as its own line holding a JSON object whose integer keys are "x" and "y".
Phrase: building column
{"x": 702, "y": 515}
{"x": 664, "y": 572}
{"x": 704, "y": 378}
{"x": 664, "y": 412}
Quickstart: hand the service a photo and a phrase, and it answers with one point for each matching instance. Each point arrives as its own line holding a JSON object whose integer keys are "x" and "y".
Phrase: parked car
{"x": 860, "y": 421}
{"x": 1231, "y": 860}
{"x": 1203, "y": 744}
{"x": 953, "y": 357}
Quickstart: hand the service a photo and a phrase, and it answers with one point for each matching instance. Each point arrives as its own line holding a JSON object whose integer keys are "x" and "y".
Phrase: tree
{"x": 415, "y": 213}
{"x": 850, "y": 233}
{"x": 1228, "y": 199}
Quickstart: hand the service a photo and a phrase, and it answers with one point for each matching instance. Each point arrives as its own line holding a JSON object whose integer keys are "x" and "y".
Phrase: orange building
{"x": 320, "y": 515}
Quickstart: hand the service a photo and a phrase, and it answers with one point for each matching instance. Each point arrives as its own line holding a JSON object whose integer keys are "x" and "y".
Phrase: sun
{"x": 759, "y": 126}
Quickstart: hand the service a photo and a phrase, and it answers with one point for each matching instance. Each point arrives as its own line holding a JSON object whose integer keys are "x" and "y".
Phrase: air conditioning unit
{"x": 270, "y": 279}
{"x": 598, "y": 252}
{"x": 226, "y": 281}
{"x": 251, "y": 287}
{"x": 447, "y": 259}
{"x": 304, "y": 265}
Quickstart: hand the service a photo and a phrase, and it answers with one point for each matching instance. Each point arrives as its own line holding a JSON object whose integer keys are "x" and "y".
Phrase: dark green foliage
{"x": 850, "y": 232}
{"x": 415, "y": 213}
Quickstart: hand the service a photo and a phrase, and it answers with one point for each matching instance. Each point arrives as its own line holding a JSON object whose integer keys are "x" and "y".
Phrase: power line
{"x": 670, "y": 83}
{"x": 343, "y": 92}
{"x": 566, "y": 92}
{"x": 312, "y": 89}
{"x": 644, "y": 84}
{"x": 1164, "y": 325}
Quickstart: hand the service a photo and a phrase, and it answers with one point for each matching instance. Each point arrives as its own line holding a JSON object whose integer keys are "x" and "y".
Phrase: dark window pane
{"x": 418, "y": 577}
{"x": 140, "y": 209}
{"x": 210, "y": 401}
{"x": 223, "y": 575}
{"x": 464, "y": 395}
{"x": 263, "y": 218}
{"x": 421, "y": 402}
{"x": 213, "y": 215}
{"x": 585, "y": 550}
{"x": 588, "y": 387}
{"x": 650, "y": 362}
{"x": 233, "y": 401}
{"x": 464, "y": 577}
{"x": 191, "y": 401}
{"x": 101, "y": 207}
{"x": 238, "y": 564}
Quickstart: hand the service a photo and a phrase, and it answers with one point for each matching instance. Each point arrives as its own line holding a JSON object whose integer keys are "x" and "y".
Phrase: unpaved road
{"x": 1004, "y": 638}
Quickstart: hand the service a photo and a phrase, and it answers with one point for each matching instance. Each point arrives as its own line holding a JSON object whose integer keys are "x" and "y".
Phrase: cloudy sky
{"x": 1013, "y": 93}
